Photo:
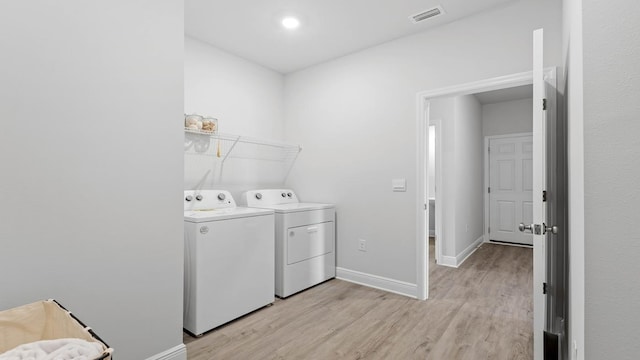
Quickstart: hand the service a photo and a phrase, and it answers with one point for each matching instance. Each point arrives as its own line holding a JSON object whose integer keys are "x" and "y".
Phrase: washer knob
{"x": 199, "y": 197}
{"x": 221, "y": 196}
{"x": 284, "y": 195}
{"x": 189, "y": 198}
{"x": 289, "y": 194}
{"x": 258, "y": 196}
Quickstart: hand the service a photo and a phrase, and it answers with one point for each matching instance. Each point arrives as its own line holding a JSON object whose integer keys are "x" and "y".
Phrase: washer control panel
{"x": 195, "y": 200}
{"x": 258, "y": 198}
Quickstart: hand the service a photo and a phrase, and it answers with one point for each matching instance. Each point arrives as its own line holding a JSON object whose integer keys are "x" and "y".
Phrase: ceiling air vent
{"x": 427, "y": 14}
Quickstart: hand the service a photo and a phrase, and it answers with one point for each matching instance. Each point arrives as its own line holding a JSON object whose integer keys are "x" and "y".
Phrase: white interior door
{"x": 510, "y": 188}
{"x": 539, "y": 186}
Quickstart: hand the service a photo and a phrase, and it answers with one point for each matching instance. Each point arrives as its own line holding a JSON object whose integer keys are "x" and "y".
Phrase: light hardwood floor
{"x": 482, "y": 310}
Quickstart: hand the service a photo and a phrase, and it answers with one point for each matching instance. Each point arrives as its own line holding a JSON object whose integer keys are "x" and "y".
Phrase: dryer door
{"x": 305, "y": 242}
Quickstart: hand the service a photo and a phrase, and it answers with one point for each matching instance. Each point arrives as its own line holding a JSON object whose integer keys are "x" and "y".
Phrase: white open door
{"x": 539, "y": 185}
{"x": 549, "y": 208}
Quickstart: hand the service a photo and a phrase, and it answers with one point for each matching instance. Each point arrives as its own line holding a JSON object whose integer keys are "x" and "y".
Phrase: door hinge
{"x": 544, "y": 195}
{"x": 544, "y": 104}
{"x": 425, "y": 206}
{"x": 489, "y": 190}
{"x": 544, "y": 287}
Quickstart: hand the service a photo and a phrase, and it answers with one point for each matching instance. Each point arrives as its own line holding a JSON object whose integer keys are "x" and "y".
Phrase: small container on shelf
{"x": 193, "y": 122}
{"x": 210, "y": 125}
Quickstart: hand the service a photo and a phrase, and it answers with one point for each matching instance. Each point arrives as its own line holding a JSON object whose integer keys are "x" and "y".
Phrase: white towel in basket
{"x": 59, "y": 349}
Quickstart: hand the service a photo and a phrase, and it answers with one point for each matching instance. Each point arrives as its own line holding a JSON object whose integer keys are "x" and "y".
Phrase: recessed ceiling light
{"x": 290, "y": 22}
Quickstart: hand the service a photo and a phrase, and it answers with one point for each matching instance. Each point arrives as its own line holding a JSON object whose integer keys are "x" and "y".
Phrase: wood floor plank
{"x": 482, "y": 310}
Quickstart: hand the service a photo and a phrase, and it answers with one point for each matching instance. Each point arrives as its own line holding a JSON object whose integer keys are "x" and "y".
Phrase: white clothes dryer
{"x": 304, "y": 239}
{"x": 229, "y": 259}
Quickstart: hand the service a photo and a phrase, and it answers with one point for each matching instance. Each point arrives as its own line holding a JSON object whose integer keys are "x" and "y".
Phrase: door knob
{"x": 551, "y": 229}
{"x": 522, "y": 227}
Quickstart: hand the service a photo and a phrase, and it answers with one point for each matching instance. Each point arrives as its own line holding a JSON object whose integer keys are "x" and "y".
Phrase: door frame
{"x": 487, "y": 207}
{"x": 422, "y": 126}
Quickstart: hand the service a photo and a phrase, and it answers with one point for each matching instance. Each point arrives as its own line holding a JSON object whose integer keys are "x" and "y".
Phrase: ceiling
{"x": 329, "y": 28}
{"x": 509, "y": 94}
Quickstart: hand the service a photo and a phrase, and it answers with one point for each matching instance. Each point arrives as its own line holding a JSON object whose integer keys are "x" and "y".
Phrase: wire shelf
{"x": 223, "y": 147}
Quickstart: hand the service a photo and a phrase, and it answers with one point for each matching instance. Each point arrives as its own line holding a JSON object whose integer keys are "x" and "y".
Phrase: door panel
{"x": 506, "y": 216}
{"x": 508, "y": 148}
{"x": 511, "y": 181}
{"x": 527, "y": 212}
{"x": 506, "y": 175}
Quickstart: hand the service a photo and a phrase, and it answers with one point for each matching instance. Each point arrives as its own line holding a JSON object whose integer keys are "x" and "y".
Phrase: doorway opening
{"x": 426, "y": 101}
{"x": 508, "y": 201}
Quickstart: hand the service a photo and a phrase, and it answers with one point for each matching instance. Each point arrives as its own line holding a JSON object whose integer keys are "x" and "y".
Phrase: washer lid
{"x": 197, "y": 216}
{"x": 296, "y": 207}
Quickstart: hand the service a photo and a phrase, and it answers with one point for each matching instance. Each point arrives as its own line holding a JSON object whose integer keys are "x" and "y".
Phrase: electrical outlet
{"x": 362, "y": 245}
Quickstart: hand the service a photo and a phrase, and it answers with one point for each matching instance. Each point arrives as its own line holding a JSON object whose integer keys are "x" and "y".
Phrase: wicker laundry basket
{"x": 44, "y": 320}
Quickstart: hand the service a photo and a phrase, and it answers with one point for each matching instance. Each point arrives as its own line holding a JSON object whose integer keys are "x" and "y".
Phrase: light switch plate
{"x": 399, "y": 185}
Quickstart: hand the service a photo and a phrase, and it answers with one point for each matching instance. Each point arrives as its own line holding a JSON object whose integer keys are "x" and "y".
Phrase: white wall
{"x": 356, "y": 118}
{"x": 507, "y": 117}
{"x": 611, "y": 171}
{"x": 247, "y": 100}
{"x": 572, "y": 88}
{"x": 469, "y": 173}
{"x": 91, "y": 165}
{"x": 461, "y": 195}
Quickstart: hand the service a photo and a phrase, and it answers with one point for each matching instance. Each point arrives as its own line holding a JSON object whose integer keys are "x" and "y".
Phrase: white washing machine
{"x": 305, "y": 239}
{"x": 229, "y": 259}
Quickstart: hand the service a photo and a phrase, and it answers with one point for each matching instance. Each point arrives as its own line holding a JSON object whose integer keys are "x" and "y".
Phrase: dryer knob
{"x": 221, "y": 196}
{"x": 258, "y": 196}
{"x": 189, "y": 198}
{"x": 289, "y": 194}
{"x": 199, "y": 197}
{"x": 284, "y": 195}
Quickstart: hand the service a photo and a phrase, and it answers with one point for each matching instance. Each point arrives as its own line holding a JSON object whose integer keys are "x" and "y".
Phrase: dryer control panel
{"x": 259, "y": 198}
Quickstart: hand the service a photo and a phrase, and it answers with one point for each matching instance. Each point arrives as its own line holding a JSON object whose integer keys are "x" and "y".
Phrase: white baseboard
{"x": 449, "y": 261}
{"x": 377, "y": 282}
{"x": 464, "y": 255}
{"x": 456, "y": 261}
{"x": 178, "y": 352}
